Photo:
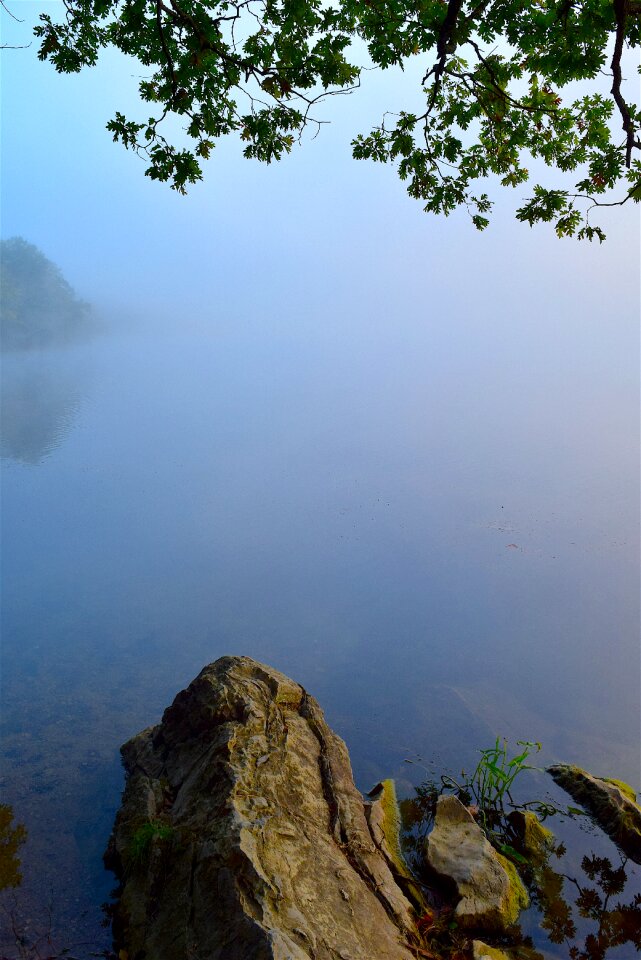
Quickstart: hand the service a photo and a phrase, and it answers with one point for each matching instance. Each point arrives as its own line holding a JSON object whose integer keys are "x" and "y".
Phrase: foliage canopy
{"x": 498, "y": 88}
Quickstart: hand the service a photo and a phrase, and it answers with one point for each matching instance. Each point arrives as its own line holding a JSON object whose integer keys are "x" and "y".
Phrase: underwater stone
{"x": 259, "y": 847}
{"x": 612, "y": 803}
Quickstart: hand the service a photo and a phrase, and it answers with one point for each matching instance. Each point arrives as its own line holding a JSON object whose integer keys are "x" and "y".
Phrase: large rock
{"x": 612, "y": 803}
{"x": 241, "y": 835}
{"x": 491, "y": 894}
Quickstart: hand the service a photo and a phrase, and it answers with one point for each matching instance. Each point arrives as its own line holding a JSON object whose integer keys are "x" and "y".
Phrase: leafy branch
{"x": 493, "y": 86}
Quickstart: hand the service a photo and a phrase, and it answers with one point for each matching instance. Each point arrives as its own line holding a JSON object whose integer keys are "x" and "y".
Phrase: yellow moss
{"x": 391, "y": 822}
{"x": 625, "y": 788}
{"x": 391, "y": 827}
{"x": 518, "y": 897}
{"x": 537, "y": 840}
{"x": 484, "y": 952}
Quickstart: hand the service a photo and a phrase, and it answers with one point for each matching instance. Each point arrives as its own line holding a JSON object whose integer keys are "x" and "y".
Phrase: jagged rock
{"x": 241, "y": 835}
{"x": 490, "y": 890}
{"x": 612, "y": 803}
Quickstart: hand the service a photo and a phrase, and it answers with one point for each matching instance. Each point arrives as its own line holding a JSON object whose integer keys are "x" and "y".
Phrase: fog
{"x": 393, "y": 457}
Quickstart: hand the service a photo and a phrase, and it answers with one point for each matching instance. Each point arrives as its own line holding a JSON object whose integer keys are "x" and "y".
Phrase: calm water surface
{"x": 441, "y": 545}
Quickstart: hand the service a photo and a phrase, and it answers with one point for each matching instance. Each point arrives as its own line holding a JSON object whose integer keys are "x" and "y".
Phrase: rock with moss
{"x": 612, "y": 803}
{"x": 384, "y": 821}
{"x": 489, "y": 890}
{"x": 482, "y": 951}
{"x": 241, "y": 835}
{"x": 534, "y": 841}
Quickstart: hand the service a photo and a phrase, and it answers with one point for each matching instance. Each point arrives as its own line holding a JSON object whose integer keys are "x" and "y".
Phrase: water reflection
{"x": 34, "y": 924}
{"x": 39, "y": 403}
{"x": 12, "y": 836}
{"x": 582, "y": 912}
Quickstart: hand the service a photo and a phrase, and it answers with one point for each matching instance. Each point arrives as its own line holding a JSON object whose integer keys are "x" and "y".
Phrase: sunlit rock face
{"x": 241, "y": 833}
{"x": 490, "y": 892}
{"x": 611, "y": 802}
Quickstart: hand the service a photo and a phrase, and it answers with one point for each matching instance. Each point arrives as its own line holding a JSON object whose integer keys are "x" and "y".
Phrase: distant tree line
{"x": 38, "y": 308}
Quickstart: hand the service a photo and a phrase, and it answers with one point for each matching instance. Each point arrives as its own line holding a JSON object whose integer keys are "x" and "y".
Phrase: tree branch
{"x": 620, "y": 9}
{"x": 166, "y": 50}
{"x": 444, "y": 46}
{"x": 12, "y": 15}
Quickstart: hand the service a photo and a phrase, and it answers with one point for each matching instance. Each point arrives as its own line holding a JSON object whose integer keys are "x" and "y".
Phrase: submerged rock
{"x": 490, "y": 890}
{"x": 241, "y": 835}
{"x": 612, "y": 803}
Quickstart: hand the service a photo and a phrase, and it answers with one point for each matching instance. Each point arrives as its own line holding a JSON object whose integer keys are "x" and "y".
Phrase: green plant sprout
{"x": 494, "y": 775}
{"x": 490, "y": 785}
{"x": 139, "y": 846}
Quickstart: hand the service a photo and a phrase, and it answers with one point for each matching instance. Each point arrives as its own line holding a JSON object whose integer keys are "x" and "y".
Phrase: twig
{"x": 12, "y": 15}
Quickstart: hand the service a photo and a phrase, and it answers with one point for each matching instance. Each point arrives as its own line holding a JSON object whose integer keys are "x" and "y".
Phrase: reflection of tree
{"x": 38, "y": 406}
{"x": 20, "y": 938}
{"x": 12, "y": 836}
{"x": 39, "y": 308}
{"x": 616, "y": 924}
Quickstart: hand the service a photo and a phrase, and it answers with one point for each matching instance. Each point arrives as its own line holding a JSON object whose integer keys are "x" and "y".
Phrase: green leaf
{"x": 512, "y": 854}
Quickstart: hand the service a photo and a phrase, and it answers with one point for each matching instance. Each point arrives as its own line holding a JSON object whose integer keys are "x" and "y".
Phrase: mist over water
{"x": 439, "y": 550}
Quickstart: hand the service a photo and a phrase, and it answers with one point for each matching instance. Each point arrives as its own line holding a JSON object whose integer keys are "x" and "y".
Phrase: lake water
{"x": 440, "y": 544}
